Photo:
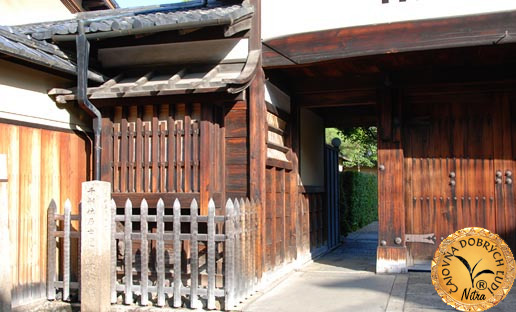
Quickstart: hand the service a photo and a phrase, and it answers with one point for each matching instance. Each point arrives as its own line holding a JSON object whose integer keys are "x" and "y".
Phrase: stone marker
{"x": 5, "y": 242}
{"x": 95, "y": 246}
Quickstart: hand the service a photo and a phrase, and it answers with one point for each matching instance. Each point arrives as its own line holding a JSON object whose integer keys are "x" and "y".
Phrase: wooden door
{"x": 331, "y": 174}
{"x": 454, "y": 145}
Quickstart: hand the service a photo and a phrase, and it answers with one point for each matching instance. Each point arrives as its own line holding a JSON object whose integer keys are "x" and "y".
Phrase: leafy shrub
{"x": 358, "y": 200}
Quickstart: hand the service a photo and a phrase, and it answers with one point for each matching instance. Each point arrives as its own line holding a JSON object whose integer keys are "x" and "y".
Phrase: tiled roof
{"x": 29, "y": 42}
{"x": 139, "y": 18}
{"x": 37, "y": 52}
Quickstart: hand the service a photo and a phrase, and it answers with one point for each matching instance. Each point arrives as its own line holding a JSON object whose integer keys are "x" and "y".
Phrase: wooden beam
{"x": 337, "y": 98}
{"x": 450, "y": 32}
{"x": 349, "y": 120}
{"x": 271, "y": 162}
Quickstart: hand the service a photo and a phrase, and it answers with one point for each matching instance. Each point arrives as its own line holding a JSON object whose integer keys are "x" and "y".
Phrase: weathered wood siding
{"x": 151, "y": 150}
{"x": 237, "y": 141}
{"x": 44, "y": 166}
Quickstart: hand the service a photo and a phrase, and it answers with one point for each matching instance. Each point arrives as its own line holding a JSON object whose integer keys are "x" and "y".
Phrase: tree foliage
{"x": 358, "y": 145}
{"x": 358, "y": 200}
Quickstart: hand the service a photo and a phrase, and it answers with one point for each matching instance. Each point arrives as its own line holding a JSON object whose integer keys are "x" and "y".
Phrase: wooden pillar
{"x": 5, "y": 242}
{"x": 392, "y": 252}
{"x": 257, "y": 127}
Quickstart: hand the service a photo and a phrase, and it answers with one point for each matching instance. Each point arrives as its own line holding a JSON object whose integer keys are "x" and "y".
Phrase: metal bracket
{"x": 421, "y": 238}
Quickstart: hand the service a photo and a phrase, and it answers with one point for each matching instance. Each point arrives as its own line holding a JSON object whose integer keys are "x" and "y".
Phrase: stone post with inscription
{"x": 5, "y": 242}
{"x": 95, "y": 246}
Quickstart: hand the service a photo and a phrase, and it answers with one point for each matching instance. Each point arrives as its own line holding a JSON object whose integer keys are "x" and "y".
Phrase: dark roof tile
{"x": 37, "y": 52}
{"x": 143, "y": 17}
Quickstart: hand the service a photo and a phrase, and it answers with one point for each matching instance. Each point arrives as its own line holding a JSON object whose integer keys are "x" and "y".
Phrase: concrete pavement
{"x": 344, "y": 280}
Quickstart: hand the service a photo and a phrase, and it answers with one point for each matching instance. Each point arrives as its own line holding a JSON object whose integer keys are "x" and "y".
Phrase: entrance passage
{"x": 459, "y": 150}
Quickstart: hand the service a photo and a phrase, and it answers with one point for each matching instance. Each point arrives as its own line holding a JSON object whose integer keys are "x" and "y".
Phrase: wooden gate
{"x": 459, "y": 150}
{"x": 331, "y": 174}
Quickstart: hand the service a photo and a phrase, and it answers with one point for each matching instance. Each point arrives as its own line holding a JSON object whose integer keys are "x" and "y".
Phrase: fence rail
{"x": 170, "y": 256}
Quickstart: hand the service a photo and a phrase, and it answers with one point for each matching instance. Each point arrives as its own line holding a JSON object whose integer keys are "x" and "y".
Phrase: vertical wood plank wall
{"x": 162, "y": 148}
{"x": 237, "y": 164}
{"x": 43, "y": 166}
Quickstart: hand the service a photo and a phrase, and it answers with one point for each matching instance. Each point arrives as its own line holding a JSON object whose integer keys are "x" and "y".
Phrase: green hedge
{"x": 358, "y": 200}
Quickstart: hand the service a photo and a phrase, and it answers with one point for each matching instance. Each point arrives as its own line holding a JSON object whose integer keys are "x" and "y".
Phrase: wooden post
{"x": 144, "y": 264}
{"x": 391, "y": 253}
{"x": 66, "y": 250}
{"x": 128, "y": 252}
{"x": 160, "y": 253}
{"x": 194, "y": 252}
{"x": 177, "y": 254}
{"x": 95, "y": 246}
{"x": 211, "y": 255}
{"x": 229, "y": 263}
{"x": 258, "y": 130}
{"x": 5, "y": 242}
{"x": 113, "y": 251}
{"x": 51, "y": 250}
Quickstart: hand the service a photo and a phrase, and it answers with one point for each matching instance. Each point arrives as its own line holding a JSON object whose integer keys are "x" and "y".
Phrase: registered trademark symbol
{"x": 481, "y": 285}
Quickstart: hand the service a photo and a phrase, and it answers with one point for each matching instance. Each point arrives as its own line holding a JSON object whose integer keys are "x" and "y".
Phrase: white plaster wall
{"x": 276, "y": 97}
{"x": 284, "y": 17}
{"x": 16, "y": 12}
{"x": 312, "y": 148}
{"x": 23, "y": 97}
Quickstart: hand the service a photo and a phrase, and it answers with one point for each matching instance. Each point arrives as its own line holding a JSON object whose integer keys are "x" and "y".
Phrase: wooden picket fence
{"x": 214, "y": 243}
{"x": 65, "y": 236}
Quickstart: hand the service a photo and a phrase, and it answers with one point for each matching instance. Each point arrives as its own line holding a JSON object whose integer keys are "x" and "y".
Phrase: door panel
{"x": 453, "y": 146}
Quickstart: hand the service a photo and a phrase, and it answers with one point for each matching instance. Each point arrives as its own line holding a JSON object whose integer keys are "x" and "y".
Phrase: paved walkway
{"x": 344, "y": 280}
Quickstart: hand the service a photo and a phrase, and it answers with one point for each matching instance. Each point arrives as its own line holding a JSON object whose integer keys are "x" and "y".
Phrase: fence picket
{"x": 66, "y": 251}
{"x": 113, "y": 252}
{"x": 51, "y": 251}
{"x": 243, "y": 220}
{"x": 255, "y": 243}
{"x": 238, "y": 252}
{"x": 254, "y": 226}
{"x": 194, "y": 261}
{"x": 160, "y": 253}
{"x": 177, "y": 254}
{"x": 144, "y": 230}
{"x": 228, "y": 257}
{"x": 128, "y": 253}
{"x": 249, "y": 256}
{"x": 79, "y": 249}
{"x": 211, "y": 255}
{"x": 243, "y": 250}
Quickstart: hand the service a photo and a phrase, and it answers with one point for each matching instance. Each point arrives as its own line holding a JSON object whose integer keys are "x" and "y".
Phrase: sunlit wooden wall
{"x": 43, "y": 165}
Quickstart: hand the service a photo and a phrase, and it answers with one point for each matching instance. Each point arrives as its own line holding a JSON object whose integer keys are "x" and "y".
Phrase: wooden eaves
{"x": 420, "y": 35}
{"x": 230, "y": 78}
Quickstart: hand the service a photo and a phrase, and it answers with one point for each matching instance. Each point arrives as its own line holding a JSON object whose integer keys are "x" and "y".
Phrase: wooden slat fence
{"x": 157, "y": 259}
{"x": 154, "y": 148}
{"x": 241, "y": 256}
{"x": 63, "y": 239}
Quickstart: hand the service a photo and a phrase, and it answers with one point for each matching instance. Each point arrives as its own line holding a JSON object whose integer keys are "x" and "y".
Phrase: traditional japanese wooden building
{"x": 187, "y": 102}
{"x": 441, "y": 93}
